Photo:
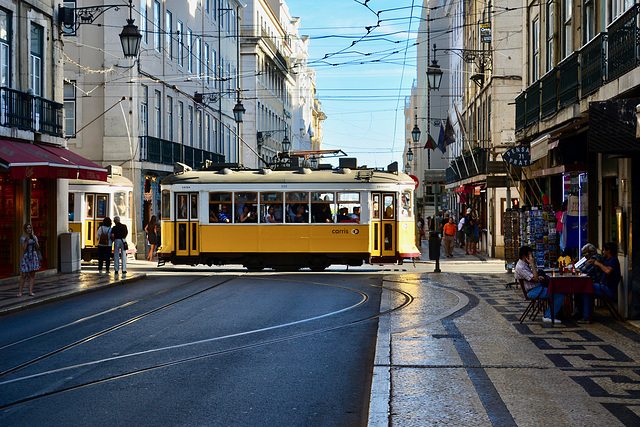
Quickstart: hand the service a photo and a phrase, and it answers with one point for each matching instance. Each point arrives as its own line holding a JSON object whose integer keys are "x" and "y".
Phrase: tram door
{"x": 96, "y": 210}
{"x": 376, "y": 225}
{"x": 187, "y": 243}
{"x": 389, "y": 215}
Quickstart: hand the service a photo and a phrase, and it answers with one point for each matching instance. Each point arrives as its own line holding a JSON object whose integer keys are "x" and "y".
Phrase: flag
{"x": 441, "y": 144}
{"x": 449, "y": 133}
{"x": 431, "y": 144}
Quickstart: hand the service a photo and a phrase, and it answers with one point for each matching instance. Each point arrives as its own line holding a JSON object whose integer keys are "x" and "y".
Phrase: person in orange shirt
{"x": 449, "y": 234}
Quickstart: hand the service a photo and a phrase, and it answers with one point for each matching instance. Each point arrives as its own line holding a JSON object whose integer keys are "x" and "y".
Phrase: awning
{"x": 26, "y": 160}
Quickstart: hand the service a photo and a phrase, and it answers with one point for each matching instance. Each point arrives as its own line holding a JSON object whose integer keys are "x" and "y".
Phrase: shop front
{"x": 33, "y": 183}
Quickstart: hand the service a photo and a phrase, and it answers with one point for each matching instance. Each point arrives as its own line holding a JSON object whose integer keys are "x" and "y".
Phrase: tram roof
{"x": 303, "y": 175}
{"x": 115, "y": 180}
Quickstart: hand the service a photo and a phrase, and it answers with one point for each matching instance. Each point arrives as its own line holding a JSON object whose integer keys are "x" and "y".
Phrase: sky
{"x": 362, "y": 75}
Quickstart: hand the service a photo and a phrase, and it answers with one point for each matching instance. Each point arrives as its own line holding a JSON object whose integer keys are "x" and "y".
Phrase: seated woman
{"x": 247, "y": 214}
{"x": 301, "y": 215}
{"x": 271, "y": 216}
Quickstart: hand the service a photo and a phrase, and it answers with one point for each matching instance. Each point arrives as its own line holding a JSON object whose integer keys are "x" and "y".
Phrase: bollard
{"x": 434, "y": 249}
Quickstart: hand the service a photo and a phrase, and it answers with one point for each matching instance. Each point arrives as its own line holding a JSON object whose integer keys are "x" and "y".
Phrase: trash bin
{"x": 434, "y": 245}
{"x": 70, "y": 252}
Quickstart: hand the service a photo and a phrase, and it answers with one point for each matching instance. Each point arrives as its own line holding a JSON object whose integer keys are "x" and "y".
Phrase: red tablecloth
{"x": 572, "y": 285}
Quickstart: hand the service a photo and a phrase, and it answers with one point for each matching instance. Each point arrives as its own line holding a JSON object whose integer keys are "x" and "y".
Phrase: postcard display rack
{"x": 535, "y": 228}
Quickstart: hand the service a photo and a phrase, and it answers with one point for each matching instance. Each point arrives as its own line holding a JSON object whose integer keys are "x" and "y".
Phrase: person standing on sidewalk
{"x": 461, "y": 231}
{"x": 468, "y": 231}
{"x": 119, "y": 234}
{"x": 104, "y": 244}
{"x": 449, "y": 235}
{"x": 30, "y": 262}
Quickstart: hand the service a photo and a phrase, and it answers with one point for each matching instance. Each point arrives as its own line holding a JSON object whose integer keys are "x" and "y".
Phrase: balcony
{"x": 165, "y": 152}
{"x": 607, "y": 57}
{"x": 470, "y": 165}
{"x": 31, "y": 113}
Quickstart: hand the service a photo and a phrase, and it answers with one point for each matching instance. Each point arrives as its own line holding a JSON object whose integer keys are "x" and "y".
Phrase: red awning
{"x": 26, "y": 160}
{"x": 86, "y": 168}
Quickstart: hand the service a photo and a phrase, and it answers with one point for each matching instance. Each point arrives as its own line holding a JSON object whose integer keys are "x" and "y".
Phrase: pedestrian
{"x": 152, "y": 238}
{"x": 419, "y": 230}
{"x": 561, "y": 217}
{"x": 461, "y": 231}
{"x": 476, "y": 234}
{"x": 448, "y": 235}
{"x": 468, "y": 231}
{"x": 30, "y": 262}
{"x": 104, "y": 244}
{"x": 119, "y": 234}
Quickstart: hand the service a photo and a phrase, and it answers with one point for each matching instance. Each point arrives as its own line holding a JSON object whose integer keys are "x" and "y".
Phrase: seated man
{"x": 223, "y": 216}
{"x": 589, "y": 252}
{"x": 343, "y": 215}
{"x": 526, "y": 270}
{"x": 355, "y": 216}
{"x": 610, "y": 278}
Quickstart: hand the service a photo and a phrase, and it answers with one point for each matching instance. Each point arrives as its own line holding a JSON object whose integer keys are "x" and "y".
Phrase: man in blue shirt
{"x": 223, "y": 216}
{"x": 610, "y": 274}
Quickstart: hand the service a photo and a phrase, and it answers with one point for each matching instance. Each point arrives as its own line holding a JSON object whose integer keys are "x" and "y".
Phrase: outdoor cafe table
{"x": 572, "y": 285}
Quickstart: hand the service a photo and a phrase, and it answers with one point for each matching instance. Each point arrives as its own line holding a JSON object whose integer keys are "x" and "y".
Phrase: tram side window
{"x": 90, "y": 206}
{"x": 406, "y": 211}
{"x": 375, "y": 213}
{"x": 348, "y": 207}
{"x": 297, "y": 207}
{"x": 72, "y": 206}
{"x": 220, "y": 208}
{"x": 389, "y": 206}
{"x": 120, "y": 204}
{"x": 166, "y": 204}
{"x": 182, "y": 206}
{"x": 270, "y": 208}
{"x": 101, "y": 206}
{"x": 322, "y": 208}
{"x": 194, "y": 206}
{"x": 245, "y": 208}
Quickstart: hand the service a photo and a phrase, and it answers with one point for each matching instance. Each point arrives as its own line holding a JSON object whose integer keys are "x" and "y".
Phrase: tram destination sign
{"x": 518, "y": 156}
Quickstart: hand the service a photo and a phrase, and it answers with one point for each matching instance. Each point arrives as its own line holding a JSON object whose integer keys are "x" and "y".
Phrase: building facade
{"x": 577, "y": 113}
{"x": 35, "y": 166}
{"x": 172, "y": 103}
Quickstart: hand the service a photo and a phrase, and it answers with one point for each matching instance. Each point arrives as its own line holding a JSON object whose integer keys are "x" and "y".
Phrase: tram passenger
{"x": 247, "y": 214}
{"x": 322, "y": 213}
{"x": 224, "y": 214}
{"x": 355, "y": 216}
{"x": 301, "y": 215}
{"x": 343, "y": 215}
{"x": 271, "y": 216}
{"x": 213, "y": 213}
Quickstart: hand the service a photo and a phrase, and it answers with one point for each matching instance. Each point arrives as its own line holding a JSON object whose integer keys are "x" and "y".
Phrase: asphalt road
{"x": 196, "y": 349}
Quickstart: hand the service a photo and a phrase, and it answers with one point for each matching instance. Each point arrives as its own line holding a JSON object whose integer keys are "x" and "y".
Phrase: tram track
{"x": 406, "y": 300}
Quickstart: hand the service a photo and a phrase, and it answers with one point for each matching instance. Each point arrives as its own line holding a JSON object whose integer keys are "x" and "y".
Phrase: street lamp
{"x": 238, "y": 111}
{"x": 415, "y": 133}
{"x": 409, "y": 155}
{"x": 434, "y": 73}
{"x": 286, "y": 144}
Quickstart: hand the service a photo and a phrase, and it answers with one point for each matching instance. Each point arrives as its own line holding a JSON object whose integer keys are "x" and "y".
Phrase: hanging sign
{"x": 485, "y": 32}
{"x": 518, "y": 156}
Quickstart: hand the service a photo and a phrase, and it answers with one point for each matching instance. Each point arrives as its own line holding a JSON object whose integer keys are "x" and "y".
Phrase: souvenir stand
{"x": 534, "y": 227}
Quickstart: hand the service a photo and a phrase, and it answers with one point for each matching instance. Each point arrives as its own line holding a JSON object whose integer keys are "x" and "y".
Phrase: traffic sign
{"x": 416, "y": 180}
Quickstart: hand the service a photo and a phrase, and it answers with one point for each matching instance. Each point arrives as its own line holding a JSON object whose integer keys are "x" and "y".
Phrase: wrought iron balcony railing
{"x": 28, "y": 112}
{"x": 623, "y": 43}
{"x": 549, "y": 93}
{"x": 593, "y": 65}
{"x": 165, "y": 152}
{"x": 569, "y": 80}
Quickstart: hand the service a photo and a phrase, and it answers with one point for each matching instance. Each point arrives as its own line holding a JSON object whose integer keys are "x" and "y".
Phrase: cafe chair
{"x": 536, "y": 305}
{"x": 610, "y": 305}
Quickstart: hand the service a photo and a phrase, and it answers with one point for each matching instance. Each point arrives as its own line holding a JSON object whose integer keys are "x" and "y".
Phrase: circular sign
{"x": 416, "y": 180}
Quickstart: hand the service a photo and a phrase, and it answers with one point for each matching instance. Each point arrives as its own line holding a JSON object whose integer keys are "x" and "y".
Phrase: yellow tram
{"x": 91, "y": 202}
{"x": 287, "y": 219}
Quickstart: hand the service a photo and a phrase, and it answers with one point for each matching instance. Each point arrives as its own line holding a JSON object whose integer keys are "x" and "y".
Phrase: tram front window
{"x": 406, "y": 205}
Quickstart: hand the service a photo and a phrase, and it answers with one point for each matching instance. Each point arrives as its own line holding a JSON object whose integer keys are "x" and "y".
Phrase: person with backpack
{"x": 104, "y": 244}
{"x": 119, "y": 234}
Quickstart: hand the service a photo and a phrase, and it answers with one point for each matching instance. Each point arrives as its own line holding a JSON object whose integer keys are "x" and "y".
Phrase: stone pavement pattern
{"x": 479, "y": 366}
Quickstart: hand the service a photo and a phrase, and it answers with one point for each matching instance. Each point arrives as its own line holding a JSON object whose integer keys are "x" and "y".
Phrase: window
{"x": 207, "y": 5}
{"x": 143, "y": 21}
{"x": 37, "y": 51}
{"x": 166, "y": 204}
{"x": 5, "y": 48}
{"x": 215, "y": 68}
{"x": 170, "y": 118}
{"x": 208, "y": 130}
{"x": 144, "y": 110}
{"x": 199, "y": 126}
{"x": 348, "y": 207}
{"x": 245, "y": 208}
{"x": 567, "y": 35}
{"x": 69, "y": 109}
{"x": 322, "y": 208}
{"x": 220, "y": 207}
{"x": 197, "y": 57}
{"x": 190, "y": 118}
{"x": 535, "y": 47}
{"x": 270, "y": 207}
{"x": 121, "y": 204}
{"x": 180, "y": 44}
{"x": 207, "y": 65}
{"x": 589, "y": 21}
{"x": 168, "y": 25}
{"x": 550, "y": 35}
{"x": 406, "y": 208}
{"x": 297, "y": 207}
{"x": 189, "y": 51}
{"x": 388, "y": 207}
{"x": 158, "y": 107}
{"x": 181, "y": 122}
{"x": 157, "y": 28}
